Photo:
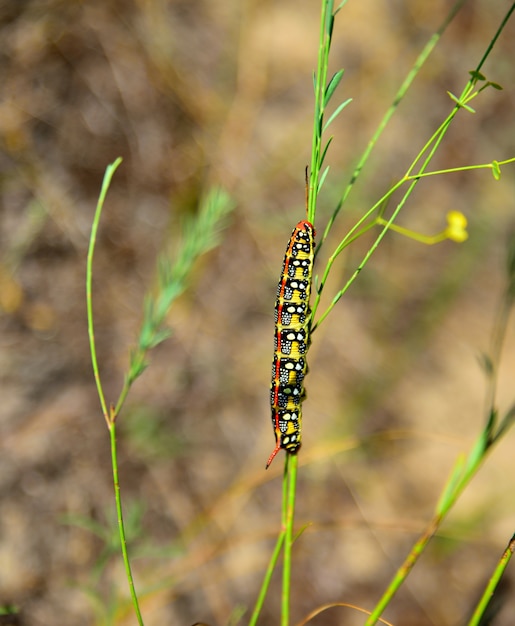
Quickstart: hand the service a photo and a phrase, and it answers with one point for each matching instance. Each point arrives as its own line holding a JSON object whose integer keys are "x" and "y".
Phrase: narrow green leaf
{"x": 336, "y": 113}
{"x": 477, "y": 75}
{"x": 322, "y": 158}
{"x": 333, "y": 83}
{"x": 506, "y": 423}
{"x": 340, "y": 6}
{"x": 496, "y": 170}
{"x": 495, "y": 85}
{"x": 322, "y": 178}
{"x": 301, "y": 531}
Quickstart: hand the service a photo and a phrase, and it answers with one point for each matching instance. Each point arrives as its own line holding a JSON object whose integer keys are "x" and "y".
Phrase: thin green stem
{"x": 267, "y": 579}
{"x": 121, "y": 527}
{"x": 288, "y": 517}
{"x": 109, "y": 416}
{"x": 492, "y": 584}
{"x": 462, "y": 168}
{"x": 318, "y": 117}
{"x": 110, "y": 170}
{"x": 403, "y": 572}
{"x": 428, "y": 240}
{"x": 284, "y": 542}
{"x": 496, "y": 36}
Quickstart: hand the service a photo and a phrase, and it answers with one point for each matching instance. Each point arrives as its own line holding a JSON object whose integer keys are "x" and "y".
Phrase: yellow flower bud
{"x": 456, "y": 226}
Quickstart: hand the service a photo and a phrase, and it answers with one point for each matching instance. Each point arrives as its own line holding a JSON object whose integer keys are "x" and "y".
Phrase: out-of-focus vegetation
{"x": 192, "y": 94}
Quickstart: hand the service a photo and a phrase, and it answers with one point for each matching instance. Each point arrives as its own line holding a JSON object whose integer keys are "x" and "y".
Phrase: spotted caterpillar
{"x": 291, "y": 339}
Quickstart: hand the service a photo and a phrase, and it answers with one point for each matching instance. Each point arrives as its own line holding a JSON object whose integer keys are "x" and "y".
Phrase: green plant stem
{"x": 462, "y": 168}
{"x": 109, "y": 416}
{"x": 496, "y": 36}
{"x": 121, "y": 526}
{"x": 277, "y": 550}
{"x": 110, "y": 170}
{"x": 492, "y": 584}
{"x": 403, "y": 571}
{"x": 284, "y": 542}
{"x": 290, "y": 480}
{"x": 267, "y": 579}
{"x": 320, "y": 82}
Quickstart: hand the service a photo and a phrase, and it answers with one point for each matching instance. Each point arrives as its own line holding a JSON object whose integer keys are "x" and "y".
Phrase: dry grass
{"x": 195, "y": 93}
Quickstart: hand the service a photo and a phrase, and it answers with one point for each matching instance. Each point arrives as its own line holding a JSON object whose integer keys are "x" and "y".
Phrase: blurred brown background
{"x": 193, "y": 94}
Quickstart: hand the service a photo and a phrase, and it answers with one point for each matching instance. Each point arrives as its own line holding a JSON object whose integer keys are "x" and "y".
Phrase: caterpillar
{"x": 291, "y": 339}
